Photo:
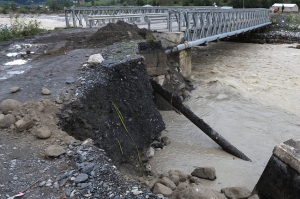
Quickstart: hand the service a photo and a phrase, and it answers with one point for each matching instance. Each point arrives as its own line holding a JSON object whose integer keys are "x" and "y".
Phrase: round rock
{"x": 166, "y": 140}
{"x": 236, "y": 192}
{"x": 45, "y": 91}
{"x": 54, "y": 151}
{"x": 9, "y": 105}
{"x": 186, "y": 94}
{"x": 205, "y": 172}
{"x": 150, "y": 152}
{"x": 59, "y": 101}
{"x": 95, "y": 59}
{"x": 14, "y": 89}
{"x": 42, "y": 133}
{"x": 162, "y": 189}
{"x": 81, "y": 178}
{"x": 169, "y": 183}
{"x": 7, "y": 121}
{"x": 70, "y": 80}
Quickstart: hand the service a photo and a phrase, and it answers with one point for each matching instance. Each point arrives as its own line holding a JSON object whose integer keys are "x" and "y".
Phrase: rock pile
{"x": 39, "y": 118}
{"x": 94, "y": 176}
{"x": 175, "y": 184}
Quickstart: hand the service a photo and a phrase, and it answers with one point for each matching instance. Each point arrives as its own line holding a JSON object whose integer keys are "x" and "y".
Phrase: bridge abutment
{"x": 281, "y": 177}
{"x": 183, "y": 57}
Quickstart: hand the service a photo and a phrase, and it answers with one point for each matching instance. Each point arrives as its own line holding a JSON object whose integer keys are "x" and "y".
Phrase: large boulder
{"x": 205, "y": 172}
{"x": 14, "y": 89}
{"x": 162, "y": 189}
{"x": 255, "y": 196}
{"x": 200, "y": 193}
{"x": 174, "y": 178}
{"x": 24, "y": 123}
{"x": 42, "y": 132}
{"x": 182, "y": 176}
{"x": 236, "y": 192}
{"x": 166, "y": 140}
{"x": 45, "y": 91}
{"x": 167, "y": 182}
{"x": 54, "y": 151}
{"x": 95, "y": 59}
{"x": 7, "y": 121}
{"x": 150, "y": 183}
{"x": 150, "y": 152}
{"x": 9, "y": 105}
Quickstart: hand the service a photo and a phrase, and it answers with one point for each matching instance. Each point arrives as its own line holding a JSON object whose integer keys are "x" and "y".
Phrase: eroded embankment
{"x": 115, "y": 109}
{"x": 88, "y": 94}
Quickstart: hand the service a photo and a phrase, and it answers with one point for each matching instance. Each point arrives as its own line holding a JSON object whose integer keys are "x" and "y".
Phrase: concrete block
{"x": 281, "y": 177}
{"x": 185, "y": 62}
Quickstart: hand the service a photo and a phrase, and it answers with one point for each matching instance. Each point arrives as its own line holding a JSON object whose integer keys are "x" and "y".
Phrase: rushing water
{"x": 249, "y": 93}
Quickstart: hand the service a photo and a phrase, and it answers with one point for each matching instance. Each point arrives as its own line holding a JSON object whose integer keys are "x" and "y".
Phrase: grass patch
{"x": 150, "y": 38}
{"x": 20, "y": 28}
{"x": 293, "y": 21}
{"x": 129, "y": 135}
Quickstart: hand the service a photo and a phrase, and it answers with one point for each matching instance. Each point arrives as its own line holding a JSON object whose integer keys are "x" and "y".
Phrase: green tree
{"x": 13, "y": 6}
{"x": 266, "y": 4}
{"x": 236, "y": 3}
{"x": 67, "y": 3}
{"x": 93, "y": 2}
{"x": 53, "y": 4}
{"x": 207, "y": 3}
{"x": 139, "y": 2}
{"x": 186, "y": 3}
{"x": 253, "y": 4}
{"x": 198, "y": 2}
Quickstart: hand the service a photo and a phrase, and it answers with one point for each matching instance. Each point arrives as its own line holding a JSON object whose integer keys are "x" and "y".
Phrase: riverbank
{"x": 48, "y": 22}
{"x": 56, "y": 91}
{"x": 54, "y": 69}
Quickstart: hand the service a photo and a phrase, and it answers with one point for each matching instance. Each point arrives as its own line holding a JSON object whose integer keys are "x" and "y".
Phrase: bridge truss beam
{"x": 208, "y": 25}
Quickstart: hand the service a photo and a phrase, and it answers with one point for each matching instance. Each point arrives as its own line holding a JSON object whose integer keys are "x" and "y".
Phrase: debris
{"x": 16, "y": 196}
{"x": 14, "y": 89}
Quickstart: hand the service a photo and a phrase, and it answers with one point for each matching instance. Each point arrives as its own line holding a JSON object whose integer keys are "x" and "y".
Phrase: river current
{"x": 248, "y": 93}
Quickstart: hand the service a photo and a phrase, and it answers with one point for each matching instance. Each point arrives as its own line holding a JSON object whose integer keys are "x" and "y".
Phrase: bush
{"x": 19, "y": 28}
{"x": 4, "y": 11}
{"x": 293, "y": 21}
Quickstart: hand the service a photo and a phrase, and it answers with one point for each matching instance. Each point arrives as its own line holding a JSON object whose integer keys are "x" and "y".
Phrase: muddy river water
{"x": 249, "y": 93}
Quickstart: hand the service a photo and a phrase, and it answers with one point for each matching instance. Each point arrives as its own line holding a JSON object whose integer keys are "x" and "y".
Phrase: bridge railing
{"x": 76, "y": 16}
{"x": 206, "y": 23}
{"x": 204, "y": 26}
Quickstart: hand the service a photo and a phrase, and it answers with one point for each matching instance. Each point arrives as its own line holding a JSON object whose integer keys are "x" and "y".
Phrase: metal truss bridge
{"x": 200, "y": 24}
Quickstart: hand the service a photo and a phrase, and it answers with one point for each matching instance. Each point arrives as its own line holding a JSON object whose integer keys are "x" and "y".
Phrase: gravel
{"x": 84, "y": 171}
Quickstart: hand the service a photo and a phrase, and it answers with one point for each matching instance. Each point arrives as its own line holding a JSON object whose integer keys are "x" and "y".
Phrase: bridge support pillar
{"x": 185, "y": 62}
{"x": 182, "y": 57}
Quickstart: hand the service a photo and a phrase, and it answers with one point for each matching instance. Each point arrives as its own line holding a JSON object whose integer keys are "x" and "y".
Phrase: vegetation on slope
{"x": 19, "y": 28}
